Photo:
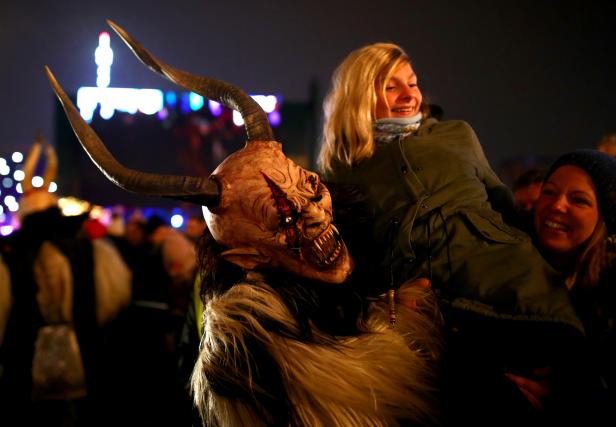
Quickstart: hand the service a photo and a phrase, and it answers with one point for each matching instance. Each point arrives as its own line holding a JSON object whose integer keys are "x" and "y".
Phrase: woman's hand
{"x": 408, "y": 301}
{"x": 535, "y": 390}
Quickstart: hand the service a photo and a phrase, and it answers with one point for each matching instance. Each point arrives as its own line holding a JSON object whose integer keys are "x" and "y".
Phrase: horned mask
{"x": 268, "y": 211}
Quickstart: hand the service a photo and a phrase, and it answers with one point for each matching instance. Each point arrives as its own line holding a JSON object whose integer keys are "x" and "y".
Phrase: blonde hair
{"x": 350, "y": 105}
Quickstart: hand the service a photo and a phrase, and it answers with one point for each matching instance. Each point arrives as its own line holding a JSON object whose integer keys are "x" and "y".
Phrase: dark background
{"x": 534, "y": 78}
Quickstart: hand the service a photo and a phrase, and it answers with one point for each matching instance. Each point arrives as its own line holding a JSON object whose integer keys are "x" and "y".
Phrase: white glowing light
{"x": 19, "y": 175}
{"x": 5, "y": 230}
{"x": 177, "y": 220}
{"x": 237, "y": 118}
{"x": 267, "y": 102}
{"x": 148, "y": 101}
{"x": 37, "y": 181}
{"x": 2, "y": 161}
{"x": 17, "y": 157}
{"x": 103, "y": 79}
{"x": 71, "y": 206}
{"x": 9, "y": 200}
{"x": 4, "y": 169}
{"x": 19, "y": 188}
{"x": 1, "y": 212}
{"x": 107, "y": 111}
{"x": 103, "y": 56}
{"x": 53, "y": 187}
{"x": 71, "y": 210}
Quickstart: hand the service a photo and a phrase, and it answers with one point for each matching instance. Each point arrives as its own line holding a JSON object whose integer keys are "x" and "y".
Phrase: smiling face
{"x": 402, "y": 97}
{"x": 274, "y": 213}
{"x": 567, "y": 210}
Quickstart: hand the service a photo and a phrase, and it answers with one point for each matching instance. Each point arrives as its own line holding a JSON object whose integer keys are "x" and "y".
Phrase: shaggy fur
{"x": 258, "y": 367}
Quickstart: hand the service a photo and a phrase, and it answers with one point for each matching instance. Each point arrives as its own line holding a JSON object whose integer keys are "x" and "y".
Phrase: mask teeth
{"x": 327, "y": 247}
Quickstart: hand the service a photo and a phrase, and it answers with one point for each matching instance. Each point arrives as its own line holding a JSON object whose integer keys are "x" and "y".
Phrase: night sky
{"x": 531, "y": 77}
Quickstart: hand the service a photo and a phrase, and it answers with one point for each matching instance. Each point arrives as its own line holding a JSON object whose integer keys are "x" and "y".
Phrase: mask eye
{"x": 313, "y": 182}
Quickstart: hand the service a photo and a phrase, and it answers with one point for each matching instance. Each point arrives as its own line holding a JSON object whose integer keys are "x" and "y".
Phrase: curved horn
{"x": 202, "y": 191}
{"x": 51, "y": 165}
{"x": 255, "y": 119}
{"x": 30, "y": 163}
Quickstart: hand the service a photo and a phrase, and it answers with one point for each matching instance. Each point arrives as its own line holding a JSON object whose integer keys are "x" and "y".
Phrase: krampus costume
{"x": 63, "y": 289}
{"x": 274, "y": 348}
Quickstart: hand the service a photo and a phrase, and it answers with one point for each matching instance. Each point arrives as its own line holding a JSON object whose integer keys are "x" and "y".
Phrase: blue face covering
{"x": 390, "y": 128}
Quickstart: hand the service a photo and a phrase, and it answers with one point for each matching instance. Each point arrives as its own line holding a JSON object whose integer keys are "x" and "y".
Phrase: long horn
{"x": 255, "y": 119}
{"x": 31, "y": 162}
{"x": 51, "y": 165}
{"x": 202, "y": 191}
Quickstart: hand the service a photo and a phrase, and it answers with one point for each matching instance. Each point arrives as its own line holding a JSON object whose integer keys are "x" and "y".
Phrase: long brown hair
{"x": 593, "y": 260}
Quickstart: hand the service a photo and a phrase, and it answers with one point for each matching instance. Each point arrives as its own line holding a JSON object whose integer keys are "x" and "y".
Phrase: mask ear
{"x": 246, "y": 258}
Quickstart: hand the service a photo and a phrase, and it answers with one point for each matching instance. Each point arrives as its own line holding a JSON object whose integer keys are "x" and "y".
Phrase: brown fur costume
{"x": 377, "y": 377}
{"x": 274, "y": 351}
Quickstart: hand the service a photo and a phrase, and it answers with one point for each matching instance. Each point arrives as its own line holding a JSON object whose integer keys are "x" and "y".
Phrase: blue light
{"x": 171, "y": 99}
{"x": 185, "y": 102}
{"x": 196, "y": 101}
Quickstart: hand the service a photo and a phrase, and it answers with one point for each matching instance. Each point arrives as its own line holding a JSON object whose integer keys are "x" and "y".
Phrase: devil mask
{"x": 266, "y": 209}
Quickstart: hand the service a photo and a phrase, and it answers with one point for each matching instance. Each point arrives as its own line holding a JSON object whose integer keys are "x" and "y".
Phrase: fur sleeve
{"x": 255, "y": 369}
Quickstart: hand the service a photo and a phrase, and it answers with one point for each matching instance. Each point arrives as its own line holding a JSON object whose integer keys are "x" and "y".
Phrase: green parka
{"x": 435, "y": 204}
{"x": 434, "y": 199}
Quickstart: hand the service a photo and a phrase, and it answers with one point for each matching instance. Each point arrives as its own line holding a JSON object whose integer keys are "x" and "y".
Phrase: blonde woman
{"x": 433, "y": 197}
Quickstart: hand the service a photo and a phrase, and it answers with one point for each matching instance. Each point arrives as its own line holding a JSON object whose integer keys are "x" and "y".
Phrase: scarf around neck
{"x": 388, "y": 129}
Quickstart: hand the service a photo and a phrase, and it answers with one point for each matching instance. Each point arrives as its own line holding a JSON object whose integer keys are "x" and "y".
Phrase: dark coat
{"x": 433, "y": 197}
{"x": 437, "y": 186}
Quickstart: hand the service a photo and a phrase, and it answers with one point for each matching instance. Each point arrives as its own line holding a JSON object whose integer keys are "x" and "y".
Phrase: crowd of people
{"x": 443, "y": 297}
{"x": 91, "y": 316}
